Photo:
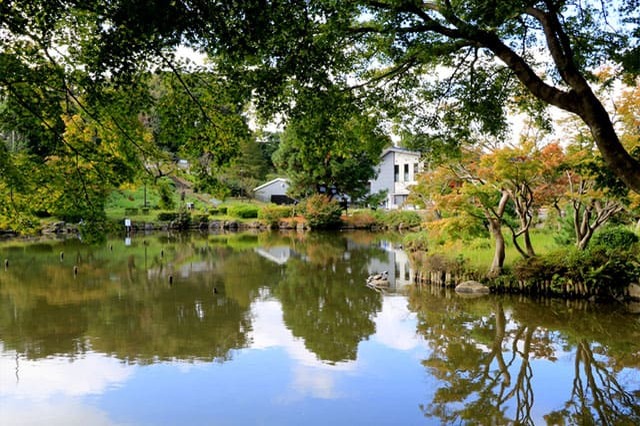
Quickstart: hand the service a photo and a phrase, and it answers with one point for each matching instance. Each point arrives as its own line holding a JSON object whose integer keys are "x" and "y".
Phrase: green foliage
{"x": 180, "y": 219}
{"x": 399, "y": 218}
{"x": 243, "y": 211}
{"x": 272, "y": 214}
{"x": 201, "y": 218}
{"x": 603, "y": 272}
{"x": 564, "y": 232}
{"x": 375, "y": 200}
{"x": 95, "y": 116}
{"x": 198, "y": 114}
{"x": 246, "y": 171}
{"x": 167, "y": 216}
{"x": 166, "y": 190}
{"x": 614, "y": 238}
{"x": 444, "y": 263}
{"x": 331, "y": 141}
{"x": 321, "y": 212}
{"x": 416, "y": 241}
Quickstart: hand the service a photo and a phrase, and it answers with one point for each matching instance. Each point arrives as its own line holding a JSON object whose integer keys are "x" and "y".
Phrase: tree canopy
{"x": 448, "y": 69}
{"x": 443, "y": 71}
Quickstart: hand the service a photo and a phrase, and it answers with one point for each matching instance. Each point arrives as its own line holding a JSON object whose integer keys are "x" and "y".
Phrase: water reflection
{"x": 185, "y": 296}
{"x": 493, "y": 357}
{"x": 280, "y": 328}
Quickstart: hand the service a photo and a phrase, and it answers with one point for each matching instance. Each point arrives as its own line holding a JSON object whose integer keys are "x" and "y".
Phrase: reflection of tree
{"x": 483, "y": 352}
{"x": 121, "y": 302}
{"x": 597, "y": 396}
{"x": 324, "y": 299}
{"x": 472, "y": 363}
{"x": 185, "y": 321}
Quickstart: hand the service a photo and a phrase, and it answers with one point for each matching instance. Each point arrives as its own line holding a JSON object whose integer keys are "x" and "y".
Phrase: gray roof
{"x": 271, "y": 182}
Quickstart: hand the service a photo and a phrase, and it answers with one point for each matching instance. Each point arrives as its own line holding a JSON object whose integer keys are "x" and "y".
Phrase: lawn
{"x": 479, "y": 252}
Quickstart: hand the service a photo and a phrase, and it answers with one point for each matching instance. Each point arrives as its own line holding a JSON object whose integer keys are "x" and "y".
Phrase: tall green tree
{"x": 331, "y": 141}
{"x": 198, "y": 115}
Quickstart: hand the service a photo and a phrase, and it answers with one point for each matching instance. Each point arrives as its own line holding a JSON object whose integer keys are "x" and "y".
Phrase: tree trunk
{"x": 527, "y": 243}
{"x": 613, "y": 153}
{"x": 494, "y": 217}
{"x": 499, "y": 252}
{"x": 579, "y": 100}
{"x": 584, "y": 241}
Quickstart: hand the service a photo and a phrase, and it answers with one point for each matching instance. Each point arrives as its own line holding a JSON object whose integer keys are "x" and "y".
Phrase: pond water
{"x": 280, "y": 329}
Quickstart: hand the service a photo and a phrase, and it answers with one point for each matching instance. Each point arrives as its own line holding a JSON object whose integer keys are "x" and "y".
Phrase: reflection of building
{"x": 397, "y": 264}
{"x": 396, "y": 173}
{"x": 277, "y": 254}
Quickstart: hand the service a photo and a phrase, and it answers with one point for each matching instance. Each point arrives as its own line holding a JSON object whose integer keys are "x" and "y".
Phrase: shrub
{"x": 167, "y": 216}
{"x": 271, "y": 214}
{"x": 440, "y": 262}
{"x": 362, "y": 219}
{"x": 539, "y": 269}
{"x": 166, "y": 190}
{"x": 201, "y": 218}
{"x": 321, "y": 212}
{"x": 614, "y": 238}
{"x": 401, "y": 219}
{"x": 416, "y": 241}
{"x": 183, "y": 219}
{"x": 222, "y": 210}
{"x": 243, "y": 211}
{"x": 602, "y": 272}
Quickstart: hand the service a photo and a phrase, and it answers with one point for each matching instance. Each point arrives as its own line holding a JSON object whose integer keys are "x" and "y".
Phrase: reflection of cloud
{"x": 395, "y": 325}
{"x": 24, "y": 413}
{"x": 395, "y": 328}
{"x": 311, "y": 375}
{"x": 319, "y": 383}
{"x": 269, "y": 330}
{"x": 45, "y": 378}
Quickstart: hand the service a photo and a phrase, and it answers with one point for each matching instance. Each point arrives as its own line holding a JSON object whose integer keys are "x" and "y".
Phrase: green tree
{"x": 594, "y": 194}
{"x": 331, "y": 141}
{"x": 464, "y": 193}
{"x": 196, "y": 114}
{"x": 247, "y": 170}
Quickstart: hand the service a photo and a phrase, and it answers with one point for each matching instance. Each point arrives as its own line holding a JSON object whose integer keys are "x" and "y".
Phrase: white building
{"x": 273, "y": 191}
{"x": 396, "y": 173}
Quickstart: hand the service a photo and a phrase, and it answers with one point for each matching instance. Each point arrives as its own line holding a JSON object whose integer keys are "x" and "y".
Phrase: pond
{"x": 280, "y": 329}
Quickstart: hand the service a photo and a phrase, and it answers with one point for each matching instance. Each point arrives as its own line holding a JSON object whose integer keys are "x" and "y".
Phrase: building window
{"x": 406, "y": 173}
{"x": 416, "y": 170}
{"x": 396, "y": 173}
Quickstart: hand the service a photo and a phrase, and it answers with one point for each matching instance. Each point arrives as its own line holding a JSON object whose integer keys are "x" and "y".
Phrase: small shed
{"x": 274, "y": 191}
